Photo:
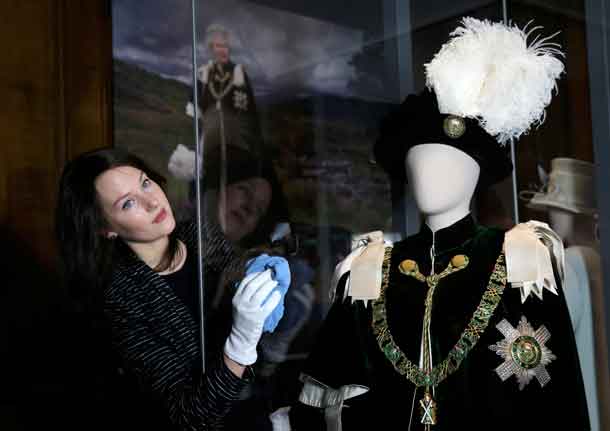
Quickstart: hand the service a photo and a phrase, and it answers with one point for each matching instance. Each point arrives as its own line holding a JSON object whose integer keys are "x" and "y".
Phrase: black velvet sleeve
{"x": 337, "y": 358}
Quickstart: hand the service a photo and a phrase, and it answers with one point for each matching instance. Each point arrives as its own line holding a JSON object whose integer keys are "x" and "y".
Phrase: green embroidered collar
{"x": 469, "y": 338}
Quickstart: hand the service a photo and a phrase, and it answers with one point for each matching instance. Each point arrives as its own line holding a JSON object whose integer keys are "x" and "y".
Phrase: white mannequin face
{"x": 443, "y": 180}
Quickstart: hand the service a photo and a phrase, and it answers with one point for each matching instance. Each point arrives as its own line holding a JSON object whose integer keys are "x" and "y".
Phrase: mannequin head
{"x": 443, "y": 180}
{"x": 574, "y": 229}
{"x": 568, "y": 196}
{"x": 506, "y": 80}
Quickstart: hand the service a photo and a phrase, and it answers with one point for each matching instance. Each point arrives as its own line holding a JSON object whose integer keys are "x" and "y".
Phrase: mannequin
{"x": 423, "y": 164}
{"x": 583, "y": 278}
{"x": 444, "y": 342}
{"x": 575, "y": 229}
{"x": 349, "y": 360}
{"x": 569, "y": 200}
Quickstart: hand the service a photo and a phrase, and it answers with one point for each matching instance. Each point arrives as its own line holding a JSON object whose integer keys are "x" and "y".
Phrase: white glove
{"x": 249, "y": 315}
{"x": 190, "y": 109}
{"x": 182, "y": 163}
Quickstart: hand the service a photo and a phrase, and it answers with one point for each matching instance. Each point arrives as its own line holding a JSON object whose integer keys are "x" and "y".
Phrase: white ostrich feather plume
{"x": 487, "y": 71}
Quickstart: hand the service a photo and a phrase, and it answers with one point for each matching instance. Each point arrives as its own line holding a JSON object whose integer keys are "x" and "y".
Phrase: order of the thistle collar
{"x": 467, "y": 341}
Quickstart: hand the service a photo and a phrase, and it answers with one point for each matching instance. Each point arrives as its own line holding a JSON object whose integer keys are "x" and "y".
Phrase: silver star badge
{"x": 240, "y": 99}
{"x": 524, "y": 352}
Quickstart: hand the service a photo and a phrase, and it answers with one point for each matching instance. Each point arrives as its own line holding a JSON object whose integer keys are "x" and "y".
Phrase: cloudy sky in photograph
{"x": 281, "y": 51}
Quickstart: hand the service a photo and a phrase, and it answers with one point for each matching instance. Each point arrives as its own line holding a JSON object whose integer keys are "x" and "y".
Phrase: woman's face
{"x": 134, "y": 206}
{"x": 245, "y": 204}
{"x": 220, "y": 48}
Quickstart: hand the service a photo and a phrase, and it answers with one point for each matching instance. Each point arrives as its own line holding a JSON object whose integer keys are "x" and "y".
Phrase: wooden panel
{"x": 55, "y": 86}
{"x": 87, "y": 65}
{"x": 29, "y": 120}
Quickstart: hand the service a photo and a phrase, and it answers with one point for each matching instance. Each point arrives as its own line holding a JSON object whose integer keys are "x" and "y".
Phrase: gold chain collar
{"x": 468, "y": 339}
{"x": 221, "y": 77}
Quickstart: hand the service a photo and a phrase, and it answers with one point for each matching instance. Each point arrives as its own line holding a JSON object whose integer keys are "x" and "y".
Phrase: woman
{"x": 123, "y": 253}
{"x": 252, "y": 204}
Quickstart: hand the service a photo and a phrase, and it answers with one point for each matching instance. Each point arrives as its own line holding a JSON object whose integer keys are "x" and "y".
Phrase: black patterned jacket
{"x": 158, "y": 343}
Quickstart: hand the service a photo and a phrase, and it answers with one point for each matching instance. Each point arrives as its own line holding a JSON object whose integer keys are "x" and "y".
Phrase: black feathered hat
{"x": 486, "y": 87}
{"x": 418, "y": 121}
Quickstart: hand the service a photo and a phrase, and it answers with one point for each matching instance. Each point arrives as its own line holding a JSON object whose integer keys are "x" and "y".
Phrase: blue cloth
{"x": 280, "y": 272}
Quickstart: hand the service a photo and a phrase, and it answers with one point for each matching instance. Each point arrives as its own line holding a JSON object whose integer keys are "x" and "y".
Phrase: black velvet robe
{"x": 242, "y": 125}
{"x": 473, "y": 397}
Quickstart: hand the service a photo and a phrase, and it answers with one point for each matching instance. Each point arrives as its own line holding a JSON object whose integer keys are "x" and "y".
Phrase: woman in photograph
{"x": 124, "y": 255}
{"x": 227, "y": 106}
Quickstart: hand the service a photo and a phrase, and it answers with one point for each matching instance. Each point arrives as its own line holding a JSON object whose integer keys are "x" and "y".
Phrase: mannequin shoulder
{"x": 488, "y": 240}
{"x": 582, "y": 264}
{"x": 535, "y": 259}
{"x": 585, "y": 256}
{"x": 359, "y": 275}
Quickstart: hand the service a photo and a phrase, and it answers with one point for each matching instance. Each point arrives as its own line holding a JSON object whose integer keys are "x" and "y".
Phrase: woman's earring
{"x": 112, "y": 235}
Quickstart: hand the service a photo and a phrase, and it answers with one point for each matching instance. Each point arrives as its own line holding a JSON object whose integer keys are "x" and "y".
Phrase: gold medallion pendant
{"x": 524, "y": 352}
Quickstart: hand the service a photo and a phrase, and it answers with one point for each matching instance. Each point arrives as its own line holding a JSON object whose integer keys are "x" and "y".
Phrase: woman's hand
{"x": 249, "y": 313}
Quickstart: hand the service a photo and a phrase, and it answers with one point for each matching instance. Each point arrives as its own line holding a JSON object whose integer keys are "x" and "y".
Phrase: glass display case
{"x": 276, "y": 106}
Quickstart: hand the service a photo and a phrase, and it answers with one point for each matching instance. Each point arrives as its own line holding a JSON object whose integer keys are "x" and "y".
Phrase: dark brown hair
{"x": 87, "y": 255}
